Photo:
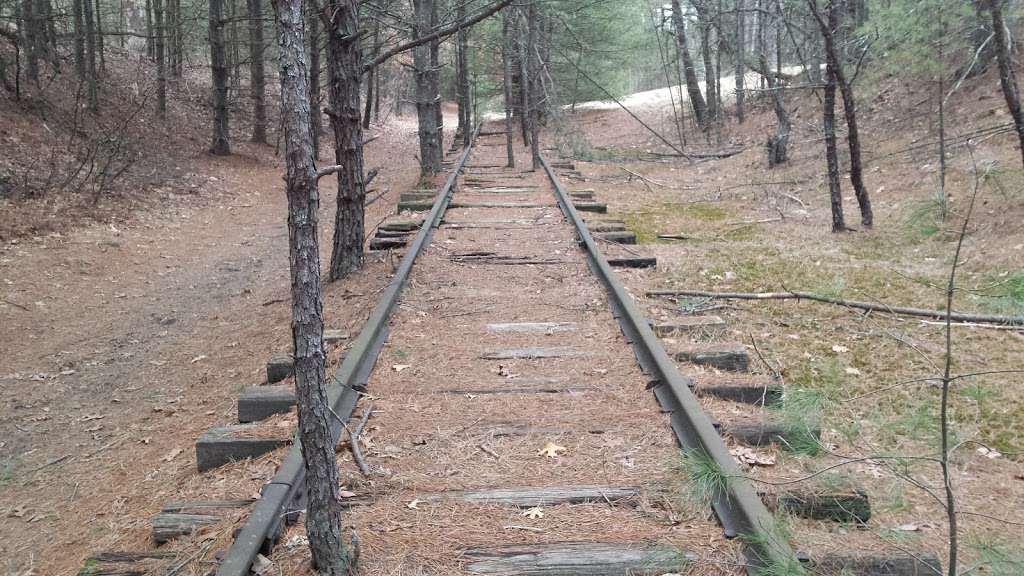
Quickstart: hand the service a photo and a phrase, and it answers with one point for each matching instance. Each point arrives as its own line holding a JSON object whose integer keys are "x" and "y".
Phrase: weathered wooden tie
{"x": 532, "y": 353}
{"x": 542, "y": 327}
{"x": 388, "y": 243}
{"x": 280, "y": 366}
{"x": 633, "y": 262}
{"x": 923, "y": 564}
{"x": 768, "y": 433}
{"x": 848, "y": 507}
{"x": 402, "y": 225}
{"x": 689, "y": 324}
{"x": 416, "y": 196}
{"x": 756, "y": 393}
{"x": 605, "y": 226}
{"x": 529, "y": 497}
{"x": 723, "y": 357}
{"x": 596, "y": 207}
{"x": 219, "y": 446}
{"x": 578, "y": 559}
{"x": 260, "y": 402}
{"x": 617, "y": 237}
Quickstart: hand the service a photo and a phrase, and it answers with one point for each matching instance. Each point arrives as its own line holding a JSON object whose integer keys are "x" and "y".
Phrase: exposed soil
{"x": 122, "y": 343}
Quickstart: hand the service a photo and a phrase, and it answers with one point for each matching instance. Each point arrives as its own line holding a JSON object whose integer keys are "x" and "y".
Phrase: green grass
{"x": 1007, "y": 294}
{"x": 1000, "y": 559}
{"x": 705, "y": 479}
{"x": 925, "y": 221}
{"x": 670, "y": 218}
{"x": 775, "y": 536}
{"x": 800, "y": 414}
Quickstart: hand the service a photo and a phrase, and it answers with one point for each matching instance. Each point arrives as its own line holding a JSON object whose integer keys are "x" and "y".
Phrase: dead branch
{"x": 357, "y": 452}
{"x": 870, "y": 306}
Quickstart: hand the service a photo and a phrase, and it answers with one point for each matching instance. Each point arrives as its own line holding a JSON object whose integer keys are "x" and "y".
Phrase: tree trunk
{"x": 435, "y": 82}
{"x": 79, "y": 33}
{"x": 778, "y": 145}
{"x": 161, "y": 61}
{"x": 524, "y": 74}
{"x": 323, "y": 509}
{"x": 831, "y": 155}
{"x": 710, "y": 84}
{"x": 315, "y": 114}
{"x": 257, "y": 82}
{"x": 30, "y": 39}
{"x": 345, "y": 71}
{"x": 372, "y": 98}
{"x": 533, "y": 79}
{"x": 700, "y": 109}
{"x": 90, "y": 52}
{"x": 1007, "y": 78}
{"x": 99, "y": 33}
{"x": 150, "y": 49}
{"x": 465, "y": 128}
{"x": 221, "y": 145}
{"x": 849, "y": 108}
{"x": 506, "y": 67}
{"x": 741, "y": 49}
{"x": 426, "y": 92}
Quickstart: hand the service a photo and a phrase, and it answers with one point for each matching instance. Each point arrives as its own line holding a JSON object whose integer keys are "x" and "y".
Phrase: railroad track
{"x": 523, "y": 416}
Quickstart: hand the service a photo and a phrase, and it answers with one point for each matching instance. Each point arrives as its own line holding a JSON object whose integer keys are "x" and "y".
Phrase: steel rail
{"x": 738, "y": 506}
{"x": 282, "y": 498}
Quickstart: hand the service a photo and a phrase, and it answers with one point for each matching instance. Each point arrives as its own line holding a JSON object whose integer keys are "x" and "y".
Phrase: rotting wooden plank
{"x": 260, "y": 402}
{"x": 689, "y": 324}
{"x": 531, "y": 496}
{"x": 596, "y": 207}
{"x": 617, "y": 236}
{"x": 280, "y": 366}
{"x": 633, "y": 262}
{"x": 116, "y": 557}
{"x": 381, "y": 233}
{"x": 416, "y": 196}
{"x": 598, "y": 227}
{"x": 388, "y": 243}
{"x": 542, "y": 327}
{"x": 200, "y": 506}
{"x": 732, "y": 357}
{"x": 402, "y": 225}
{"x": 757, "y": 393}
{"x": 578, "y": 559}
{"x": 851, "y": 506}
{"x": 167, "y": 527}
{"x": 530, "y": 205}
{"x": 764, "y": 434}
{"x": 532, "y": 353}
{"x": 540, "y": 388}
{"x": 219, "y": 446}
{"x": 923, "y": 564}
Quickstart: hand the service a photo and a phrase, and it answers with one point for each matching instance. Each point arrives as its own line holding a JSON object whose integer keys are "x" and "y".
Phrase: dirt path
{"x": 121, "y": 345}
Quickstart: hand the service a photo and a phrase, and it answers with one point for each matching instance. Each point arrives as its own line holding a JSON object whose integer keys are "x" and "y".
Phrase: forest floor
{"x": 123, "y": 342}
{"x": 871, "y": 379}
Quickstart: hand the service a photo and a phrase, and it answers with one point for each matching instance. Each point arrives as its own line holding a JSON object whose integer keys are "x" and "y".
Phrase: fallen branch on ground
{"x": 870, "y": 306}
{"x": 357, "y": 452}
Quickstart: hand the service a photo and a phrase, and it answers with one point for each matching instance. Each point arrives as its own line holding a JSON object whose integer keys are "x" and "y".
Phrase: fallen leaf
{"x": 908, "y": 528}
{"x": 172, "y": 455}
{"x": 415, "y": 504}
{"x": 989, "y": 453}
{"x": 400, "y": 367}
{"x": 197, "y": 358}
{"x": 853, "y": 371}
{"x": 840, "y": 349}
{"x": 534, "y": 513}
{"x": 551, "y": 450}
{"x": 752, "y": 457}
{"x": 346, "y": 494}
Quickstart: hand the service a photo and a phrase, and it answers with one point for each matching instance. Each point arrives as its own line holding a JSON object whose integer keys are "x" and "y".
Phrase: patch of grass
{"x": 669, "y": 217}
{"x": 800, "y": 415}
{"x": 705, "y": 479}
{"x": 706, "y": 212}
{"x": 925, "y": 221}
{"x": 775, "y": 537}
{"x": 1007, "y": 296}
{"x": 7, "y": 470}
{"x": 1000, "y": 559}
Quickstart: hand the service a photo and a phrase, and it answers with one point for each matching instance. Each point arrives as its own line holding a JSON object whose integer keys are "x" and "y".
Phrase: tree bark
{"x": 741, "y": 48}
{"x": 506, "y": 67}
{"x": 832, "y": 56}
{"x": 533, "y": 79}
{"x": 831, "y": 155}
{"x": 90, "y": 52}
{"x": 1007, "y": 78}
{"x": 426, "y": 92}
{"x": 372, "y": 97}
{"x": 150, "y": 49}
{"x": 778, "y": 145}
{"x": 100, "y": 48}
{"x": 315, "y": 114}
{"x": 345, "y": 71}
{"x": 257, "y": 82}
{"x": 323, "y": 509}
{"x": 435, "y": 82}
{"x": 221, "y": 145}
{"x": 79, "y": 33}
{"x": 465, "y": 128}
{"x": 700, "y": 108}
{"x": 161, "y": 60}
{"x": 710, "y": 83}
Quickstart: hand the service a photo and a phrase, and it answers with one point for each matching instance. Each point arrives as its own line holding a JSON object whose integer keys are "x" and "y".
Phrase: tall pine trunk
{"x": 426, "y": 91}
{"x": 221, "y": 145}
{"x": 1011, "y": 92}
{"x": 345, "y": 71}
{"x": 90, "y": 52}
{"x": 533, "y": 72}
{"x": 257, "y": 82}
{"x": 831, "y": 154}
{"x": 506, "y": 67}
{"x": 700, "y": 108}
{"x": 161, "y": 60}
{"x": 741, "y": 54}
{"x": 315, "y": 115}
{"x": 323, "y": 509}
